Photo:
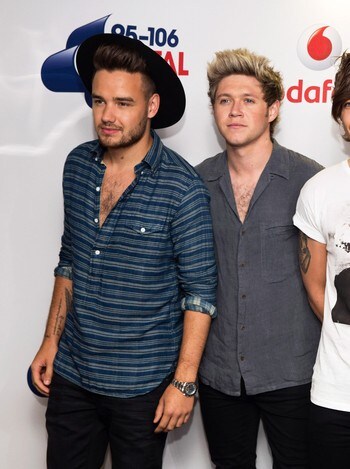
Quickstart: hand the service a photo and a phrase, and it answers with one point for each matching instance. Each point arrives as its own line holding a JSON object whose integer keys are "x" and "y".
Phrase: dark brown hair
{"x": 116, "y": 57}
{"x": 341, "y": 93}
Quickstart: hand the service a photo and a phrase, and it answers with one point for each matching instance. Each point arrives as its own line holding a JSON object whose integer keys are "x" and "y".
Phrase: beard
{"x": 128, "y": 138}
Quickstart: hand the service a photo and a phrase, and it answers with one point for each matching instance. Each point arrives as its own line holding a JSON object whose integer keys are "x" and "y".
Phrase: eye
{"x": 249, "y": 101}
{"x": 97, "y": 101}
{"x": 224, "y": 101}
{"x": 346, "y": 105}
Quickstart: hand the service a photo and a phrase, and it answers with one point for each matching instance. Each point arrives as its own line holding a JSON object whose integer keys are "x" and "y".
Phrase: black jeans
{"x": 81, "y": 424}
{"x": 231, "y": 425}
{"x": 329, "y": 438}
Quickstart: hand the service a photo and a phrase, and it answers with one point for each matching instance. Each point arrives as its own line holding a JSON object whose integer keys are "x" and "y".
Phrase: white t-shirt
{"x": 323, "y": 214}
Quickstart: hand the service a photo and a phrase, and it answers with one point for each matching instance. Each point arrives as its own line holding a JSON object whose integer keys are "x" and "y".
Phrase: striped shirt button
{"x": 97, "y": 252}
{"x": 96, "y": 220}
{"x": 98, "y": 188}
{"x": 143, "y": 230}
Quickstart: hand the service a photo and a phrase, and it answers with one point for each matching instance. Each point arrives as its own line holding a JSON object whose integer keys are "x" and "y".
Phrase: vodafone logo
{"x": 319, "y": 46}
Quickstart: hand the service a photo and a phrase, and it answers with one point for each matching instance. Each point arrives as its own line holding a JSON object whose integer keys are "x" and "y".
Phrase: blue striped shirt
{"x": 133, "y": 277}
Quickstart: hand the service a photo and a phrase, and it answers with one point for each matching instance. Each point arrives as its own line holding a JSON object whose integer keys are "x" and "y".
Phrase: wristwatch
{"x": 188, "y": 388}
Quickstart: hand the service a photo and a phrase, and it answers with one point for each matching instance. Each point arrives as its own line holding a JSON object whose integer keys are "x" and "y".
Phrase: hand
{"x": 42, "y": 367}
{"x": 173, "y": 410}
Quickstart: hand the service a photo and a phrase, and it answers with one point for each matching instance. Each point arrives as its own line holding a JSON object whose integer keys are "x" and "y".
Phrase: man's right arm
{"x": 42, "y": 366}
{"x": 313, "y": 262}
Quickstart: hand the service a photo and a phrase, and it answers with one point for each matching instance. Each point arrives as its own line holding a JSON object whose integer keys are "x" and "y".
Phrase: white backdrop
{"x": 38, "y": 127}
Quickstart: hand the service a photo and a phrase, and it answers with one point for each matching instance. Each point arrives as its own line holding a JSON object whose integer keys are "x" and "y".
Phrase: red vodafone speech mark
{"x": 319, "y": 47}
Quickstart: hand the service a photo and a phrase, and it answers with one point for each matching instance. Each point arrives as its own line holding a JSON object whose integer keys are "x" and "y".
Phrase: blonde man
{"x": 258, "y": 361}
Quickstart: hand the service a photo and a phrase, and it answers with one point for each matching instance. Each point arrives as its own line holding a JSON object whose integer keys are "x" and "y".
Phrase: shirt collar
{"x": 153, "y": 156}
{"x": 219, "y": 168}
{"x": 97, "y": 151}
{"x": 278, "y": 163}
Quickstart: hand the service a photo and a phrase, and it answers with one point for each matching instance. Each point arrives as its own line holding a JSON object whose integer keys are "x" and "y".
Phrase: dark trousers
{"x": 231, "y": 425}
{"x": 81, "y": 424}
{"x": 329, "y": 438}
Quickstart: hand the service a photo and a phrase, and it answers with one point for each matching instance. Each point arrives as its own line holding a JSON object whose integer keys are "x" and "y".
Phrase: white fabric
{"x": 323, "y": 214}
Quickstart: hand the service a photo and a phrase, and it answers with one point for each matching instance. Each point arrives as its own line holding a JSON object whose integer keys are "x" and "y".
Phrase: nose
{"x": 236, "y": 109}
{"x": 108, "y": 114}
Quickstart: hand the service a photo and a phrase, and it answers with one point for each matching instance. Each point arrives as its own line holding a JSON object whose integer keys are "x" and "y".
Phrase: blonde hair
{"x": 243, "y": 62}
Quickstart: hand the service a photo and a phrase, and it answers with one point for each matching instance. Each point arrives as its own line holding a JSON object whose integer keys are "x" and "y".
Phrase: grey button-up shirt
{"x": 265, "y": 331}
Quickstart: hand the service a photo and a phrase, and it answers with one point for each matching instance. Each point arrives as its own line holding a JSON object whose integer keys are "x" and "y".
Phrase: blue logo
{"x": 58, "y": 72}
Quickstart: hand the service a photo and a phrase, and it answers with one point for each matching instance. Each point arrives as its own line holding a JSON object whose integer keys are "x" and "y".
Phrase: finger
{"x": 172, "y": 424}
{"x": 42, "y": 389}
{"x": 40, "y": 386}
{"x": 46, "y": 377}
{"x": 36, "y": 372}
{"x": 180, "y": 422}
{"x": 163, "y": 424}
{"x": 159, "y": 412}
{"x": 31, "y": 384}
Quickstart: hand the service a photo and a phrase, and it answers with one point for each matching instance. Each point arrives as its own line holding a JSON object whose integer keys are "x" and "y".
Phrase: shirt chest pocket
{"x": 279, "y": 251}
{"x": 149, "y": 236}
{"x": 145, "y": 228}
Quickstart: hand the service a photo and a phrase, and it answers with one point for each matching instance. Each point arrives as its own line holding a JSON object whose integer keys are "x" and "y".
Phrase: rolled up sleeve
{"x": 64, "y": 267}
{"x": 192, "y": 236}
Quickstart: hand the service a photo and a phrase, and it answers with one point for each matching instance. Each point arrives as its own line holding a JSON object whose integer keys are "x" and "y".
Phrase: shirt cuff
{"x": 196, "y": 303}
{"x": 63, "y": 271}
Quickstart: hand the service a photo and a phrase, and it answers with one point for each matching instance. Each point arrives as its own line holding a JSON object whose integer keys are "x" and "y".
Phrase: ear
{"x": 274, "y": 110}
{"x": 153, "y": 105}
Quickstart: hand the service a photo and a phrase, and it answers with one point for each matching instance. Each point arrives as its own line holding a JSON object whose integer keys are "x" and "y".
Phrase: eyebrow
{"x": 244, "y": 95}
{"x": 120, "y": 99}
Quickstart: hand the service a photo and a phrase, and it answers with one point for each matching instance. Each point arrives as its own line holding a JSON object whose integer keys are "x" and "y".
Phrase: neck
{"x": 250, "y": 159}
{"x": 128, "y": 157}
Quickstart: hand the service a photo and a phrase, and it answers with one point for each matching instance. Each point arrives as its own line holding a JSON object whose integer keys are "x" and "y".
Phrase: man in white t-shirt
{"x": 323, "y": 217}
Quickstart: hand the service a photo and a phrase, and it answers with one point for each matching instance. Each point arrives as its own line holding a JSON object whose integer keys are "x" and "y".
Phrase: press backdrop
{"x": 44, "y": 115}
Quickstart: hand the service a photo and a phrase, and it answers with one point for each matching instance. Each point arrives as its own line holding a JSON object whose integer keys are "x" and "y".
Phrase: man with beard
{"x": 135, "y": 284}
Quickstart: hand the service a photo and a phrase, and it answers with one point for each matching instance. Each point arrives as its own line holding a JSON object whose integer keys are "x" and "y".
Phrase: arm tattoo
{"x": 60, "y": 318}
{"x": 69, "y": 300}
{"x": 304, "y": 253}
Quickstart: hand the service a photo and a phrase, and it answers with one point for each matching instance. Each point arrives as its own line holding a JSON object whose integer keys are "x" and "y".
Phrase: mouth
{"x": 109, "y": 130}
{"x": 236, "y": 126}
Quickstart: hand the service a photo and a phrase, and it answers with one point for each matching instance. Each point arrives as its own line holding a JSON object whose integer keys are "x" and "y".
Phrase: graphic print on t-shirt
{"x": 341, "y": 310}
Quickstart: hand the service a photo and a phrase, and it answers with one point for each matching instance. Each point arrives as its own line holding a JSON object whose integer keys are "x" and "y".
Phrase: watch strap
{"x": 188, "y": 388}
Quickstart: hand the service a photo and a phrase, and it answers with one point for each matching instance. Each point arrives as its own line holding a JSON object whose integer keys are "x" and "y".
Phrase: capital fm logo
{"x": 319, "y": 46}
{"x": 59, "y": 73}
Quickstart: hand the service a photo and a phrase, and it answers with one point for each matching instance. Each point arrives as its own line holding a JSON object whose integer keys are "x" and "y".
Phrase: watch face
{"x": 190, "y": 389}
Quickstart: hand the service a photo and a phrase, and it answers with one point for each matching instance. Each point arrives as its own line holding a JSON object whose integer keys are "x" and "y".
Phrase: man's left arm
{"x": 192, "y": 236}
{"x": 174, "y": 408}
